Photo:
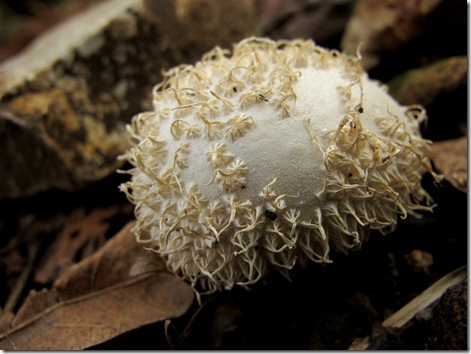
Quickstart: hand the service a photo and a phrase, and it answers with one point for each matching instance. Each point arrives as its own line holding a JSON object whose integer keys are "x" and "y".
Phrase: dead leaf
{"x": 360, "y": 343}
{"x": 5, "y": 320}
{"x": 119, "y": 288}
{"x": 420, "y": 260}
{"x": 275, "y": 12}
{"x": 424, "y": 84}
{"x": 82, "y": 233}
{"x": 320, "y": 20}
{"x": 450, "y": 158}
{"x": 217, "y": 317}
{"x": 384, "y": 26}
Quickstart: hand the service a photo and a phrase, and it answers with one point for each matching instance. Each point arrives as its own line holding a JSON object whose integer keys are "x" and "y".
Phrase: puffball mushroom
{"x": 267, "y": 157}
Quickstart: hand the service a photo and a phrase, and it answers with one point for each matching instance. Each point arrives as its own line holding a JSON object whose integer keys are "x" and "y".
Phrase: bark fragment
{"x": 65, "y": 99}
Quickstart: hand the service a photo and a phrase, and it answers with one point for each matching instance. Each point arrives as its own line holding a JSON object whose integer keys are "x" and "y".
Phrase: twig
{"x": 425, "y": 299}
{"x": 22, "y": 279}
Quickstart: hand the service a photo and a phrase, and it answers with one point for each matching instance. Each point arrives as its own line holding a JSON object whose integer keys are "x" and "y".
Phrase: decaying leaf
{"x": 119, "y": 288}
{"x": 215, "y": 319}
{"x": 81, "y": 235}
{"x": 360, "y": 343}
{"x": 450, "y": 158}
{"x": 384, "y": 26}
{"x": 423, "y": 85}
{"x": 420, "y": 260}
{"x": 319, "y": 20}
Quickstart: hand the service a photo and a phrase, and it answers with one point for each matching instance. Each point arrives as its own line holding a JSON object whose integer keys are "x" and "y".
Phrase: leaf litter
{"x": 52, "y": 318}
{"x": 117, "y": 289}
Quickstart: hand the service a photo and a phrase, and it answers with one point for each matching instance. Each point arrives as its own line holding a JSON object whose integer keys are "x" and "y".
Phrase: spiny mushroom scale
{"x": 268, "y": 157}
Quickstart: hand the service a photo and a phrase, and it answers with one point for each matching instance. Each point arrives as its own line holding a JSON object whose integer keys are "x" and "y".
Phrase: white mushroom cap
{"x": 267, "y": 157}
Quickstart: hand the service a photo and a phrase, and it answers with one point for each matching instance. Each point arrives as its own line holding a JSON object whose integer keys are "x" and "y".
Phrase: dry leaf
{"x": 420, "y": 260}
{"x": 80, "y": 233}
{"x": 320, "y": 20}
{"x": 423, "y": 85}
{"x": 450, "y": 158}
{"x": 119, "y": 288}
{"x": 384, "y": 26}
{"x": 216, "y": 319}
{"x": 276, "y": 12}
{"x": 361, "y": 343}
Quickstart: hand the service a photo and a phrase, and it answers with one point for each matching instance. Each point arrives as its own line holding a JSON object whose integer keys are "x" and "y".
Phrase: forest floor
{"x": 337, "y": 306}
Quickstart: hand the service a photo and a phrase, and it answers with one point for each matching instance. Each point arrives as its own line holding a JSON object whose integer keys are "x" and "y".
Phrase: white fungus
{"x": 267, "y": 157}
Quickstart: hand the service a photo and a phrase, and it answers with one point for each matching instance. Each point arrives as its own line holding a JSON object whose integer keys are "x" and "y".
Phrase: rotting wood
{"x": 65, "y": 99}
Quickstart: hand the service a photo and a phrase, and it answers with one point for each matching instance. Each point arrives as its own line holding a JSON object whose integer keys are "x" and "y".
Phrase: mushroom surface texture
{"x": 266, "y": 157}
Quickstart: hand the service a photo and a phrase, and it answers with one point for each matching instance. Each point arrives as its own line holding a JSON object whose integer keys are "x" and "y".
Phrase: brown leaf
{"x": 119, "y": 288}
{"x": 323, "y": 21}
{"x": 360, "y": 343}
{"x": 450, "y": 158}
{"x": 384, "y": 26}
{"x": 424, "y": 84}
{"x": 275, "y": 12}
{"x": 5, "y": 320}
{"x": 216, "y": 318}
{"x": 80, "y": 233}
